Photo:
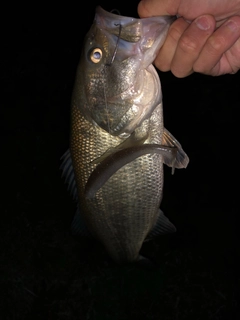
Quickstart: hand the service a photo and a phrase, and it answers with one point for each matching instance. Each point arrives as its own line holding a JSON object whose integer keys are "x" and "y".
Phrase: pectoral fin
{"x": 131, "y": 141}
{"x": 117, "y": 160}
{"x": 182, "y": 159}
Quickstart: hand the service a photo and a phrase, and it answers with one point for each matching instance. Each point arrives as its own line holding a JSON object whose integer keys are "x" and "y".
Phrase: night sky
{"x": 47, "y": 274}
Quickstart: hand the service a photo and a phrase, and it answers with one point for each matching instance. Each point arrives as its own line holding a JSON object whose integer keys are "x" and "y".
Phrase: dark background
{"x": 44, "y": 272}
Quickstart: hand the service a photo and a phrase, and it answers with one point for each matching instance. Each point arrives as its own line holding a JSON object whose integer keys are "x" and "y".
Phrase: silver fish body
{"x": 116, "y": 122}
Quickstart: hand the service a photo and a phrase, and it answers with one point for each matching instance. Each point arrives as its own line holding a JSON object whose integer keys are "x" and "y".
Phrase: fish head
{"x": 116, "y": 83}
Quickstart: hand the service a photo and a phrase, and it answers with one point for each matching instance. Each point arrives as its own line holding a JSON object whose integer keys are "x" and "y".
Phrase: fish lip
{"x": 102, "y": 12}
{"x": 106, "y": 14}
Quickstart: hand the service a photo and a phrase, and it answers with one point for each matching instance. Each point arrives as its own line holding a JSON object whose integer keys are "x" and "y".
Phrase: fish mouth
{"x": 145, "y": 34}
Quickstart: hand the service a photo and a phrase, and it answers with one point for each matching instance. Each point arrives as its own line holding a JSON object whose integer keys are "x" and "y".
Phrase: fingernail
{"x": 232, "y": 25}
{"x": 202, "y": 23}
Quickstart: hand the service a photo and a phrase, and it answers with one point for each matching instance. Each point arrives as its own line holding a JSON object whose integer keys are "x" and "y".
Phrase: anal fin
{"x": 162, "y": 226}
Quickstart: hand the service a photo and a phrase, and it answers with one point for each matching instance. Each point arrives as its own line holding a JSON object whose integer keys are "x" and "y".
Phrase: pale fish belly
{"x": 126, "y": 208}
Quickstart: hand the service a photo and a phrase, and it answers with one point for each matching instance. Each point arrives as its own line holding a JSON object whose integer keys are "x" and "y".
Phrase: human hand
{"x": 205, "y": 38}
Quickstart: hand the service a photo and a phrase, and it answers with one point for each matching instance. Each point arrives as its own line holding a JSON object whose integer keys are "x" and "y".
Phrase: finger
{"x": 149, "y": 8}
{"x": 212, "y": 59}
{"x": 189, "y": 9}
{"x": 232, "y": 58}
{"x": 164, "y": 59}
{"x": 190, "y": 45}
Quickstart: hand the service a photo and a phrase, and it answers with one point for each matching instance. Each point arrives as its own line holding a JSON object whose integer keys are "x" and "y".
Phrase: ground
{"x": 45, "y": 272}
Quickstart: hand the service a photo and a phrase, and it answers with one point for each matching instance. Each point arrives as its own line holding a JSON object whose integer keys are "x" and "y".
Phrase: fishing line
{"x": 105, "y": 97}
{"x": 104, "y": 71}
{"x": 115, "y": 50}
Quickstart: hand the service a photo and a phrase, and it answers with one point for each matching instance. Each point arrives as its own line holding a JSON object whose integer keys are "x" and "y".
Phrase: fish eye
{"x": 96, "y": 55}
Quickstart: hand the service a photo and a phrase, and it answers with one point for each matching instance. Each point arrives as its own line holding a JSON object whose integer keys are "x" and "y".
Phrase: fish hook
{"x": 115, "y": 50}
{"x": 115, "y": 10}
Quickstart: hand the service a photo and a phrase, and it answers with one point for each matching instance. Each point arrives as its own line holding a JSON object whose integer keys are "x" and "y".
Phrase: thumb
{"x": 149, "y": 8}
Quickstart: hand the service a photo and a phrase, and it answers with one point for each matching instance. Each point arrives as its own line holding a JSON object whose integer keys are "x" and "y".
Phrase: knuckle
{"x": 216, "y": 44}
{"x": 180, "y": 75}
{"x": 179, "y": 72}
{"x": 163, "y": 63}
{"x": 188, "y": 44}
{"x": 174, "y": 33}
{"x": 163, "y": 66}
{"x": 199, "y": 68}
{"x": 235, "y": 50}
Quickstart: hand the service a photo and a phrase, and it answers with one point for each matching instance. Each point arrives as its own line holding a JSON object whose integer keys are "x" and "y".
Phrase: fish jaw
{"x": 122, "y": 90}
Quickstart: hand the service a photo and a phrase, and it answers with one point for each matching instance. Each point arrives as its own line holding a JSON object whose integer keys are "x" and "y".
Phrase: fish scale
{"x": 118, "y": 143}
{"x": 113, "y": 214}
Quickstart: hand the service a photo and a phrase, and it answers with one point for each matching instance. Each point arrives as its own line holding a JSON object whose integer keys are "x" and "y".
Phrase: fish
{"x": 118, "y": 142}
